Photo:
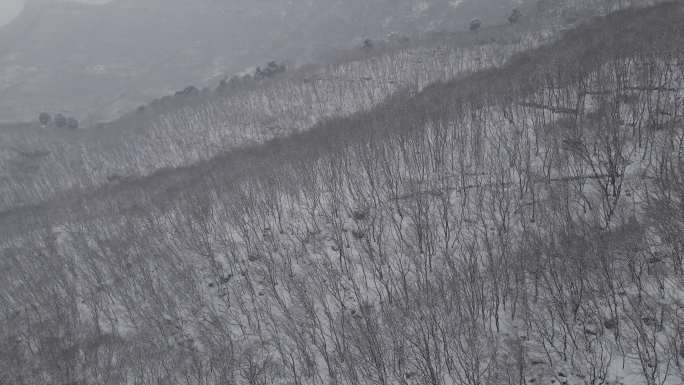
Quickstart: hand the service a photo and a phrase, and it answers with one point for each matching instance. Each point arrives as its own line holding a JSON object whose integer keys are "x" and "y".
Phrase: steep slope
{"x": 518, "y": 225}
{"x": 198, "y": 125}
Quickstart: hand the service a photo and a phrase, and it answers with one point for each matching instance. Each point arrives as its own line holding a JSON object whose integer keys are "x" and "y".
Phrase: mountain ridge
{"x": 519, "y": 68}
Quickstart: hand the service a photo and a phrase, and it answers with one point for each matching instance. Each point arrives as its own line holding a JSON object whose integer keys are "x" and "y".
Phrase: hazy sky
{"x": 9, "y": 9}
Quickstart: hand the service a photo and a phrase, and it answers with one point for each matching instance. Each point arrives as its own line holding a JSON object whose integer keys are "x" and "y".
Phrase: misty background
{"x": 9, "y": 9}
{"x": 97, "y": 60}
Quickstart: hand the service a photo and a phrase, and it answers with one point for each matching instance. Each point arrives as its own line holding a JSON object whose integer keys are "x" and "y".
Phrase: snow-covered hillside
{"x": 358, "y": 79}
{"x": 517, "y": 225}
{"x": 138, "y": 146}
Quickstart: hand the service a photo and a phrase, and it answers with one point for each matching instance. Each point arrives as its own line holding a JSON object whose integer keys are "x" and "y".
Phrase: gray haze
{"x": 99, "y": 62}
{"x": 9, "y": 9}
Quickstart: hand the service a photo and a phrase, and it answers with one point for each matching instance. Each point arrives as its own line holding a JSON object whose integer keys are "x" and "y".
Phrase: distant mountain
{"x": 98, "y": 61}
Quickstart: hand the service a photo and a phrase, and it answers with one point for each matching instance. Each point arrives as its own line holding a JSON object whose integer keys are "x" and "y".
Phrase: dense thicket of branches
{"x": 482, "y": 231}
